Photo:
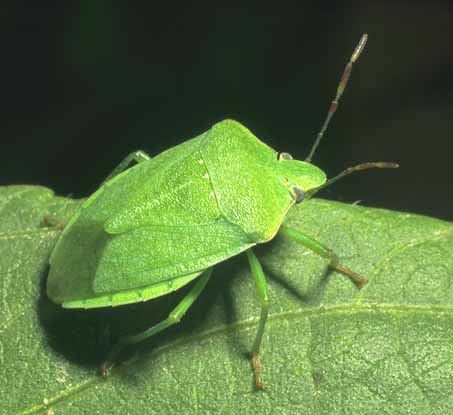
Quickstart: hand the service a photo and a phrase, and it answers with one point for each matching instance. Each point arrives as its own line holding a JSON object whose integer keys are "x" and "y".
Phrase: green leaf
{"x": 328, "y": 348}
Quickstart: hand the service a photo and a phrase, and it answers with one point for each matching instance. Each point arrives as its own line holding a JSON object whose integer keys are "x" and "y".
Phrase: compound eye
{"x": 299, "y": 194}
{"x": 285, "y": 156}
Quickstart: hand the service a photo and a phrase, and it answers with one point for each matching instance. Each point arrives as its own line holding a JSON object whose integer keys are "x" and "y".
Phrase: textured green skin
{"x": 156, "y": 226}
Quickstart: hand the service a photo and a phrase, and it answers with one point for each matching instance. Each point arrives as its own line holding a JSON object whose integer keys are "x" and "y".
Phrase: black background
{"x": 85, "y": 83}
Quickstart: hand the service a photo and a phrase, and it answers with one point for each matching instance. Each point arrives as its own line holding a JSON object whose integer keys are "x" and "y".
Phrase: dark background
{"x": 85, "y": 83}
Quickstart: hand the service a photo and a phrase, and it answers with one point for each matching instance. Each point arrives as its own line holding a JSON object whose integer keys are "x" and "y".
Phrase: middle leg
{"x": 261, "y": 289}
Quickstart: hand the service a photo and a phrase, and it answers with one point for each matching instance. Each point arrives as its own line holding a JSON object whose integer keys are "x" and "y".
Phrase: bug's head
{"x": 299, "y": 177}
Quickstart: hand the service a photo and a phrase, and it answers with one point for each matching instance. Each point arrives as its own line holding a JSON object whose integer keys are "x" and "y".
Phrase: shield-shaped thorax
{"x": 242, "y": 171}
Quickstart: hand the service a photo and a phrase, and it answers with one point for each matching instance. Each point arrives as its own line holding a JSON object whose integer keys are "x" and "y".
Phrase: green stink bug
{"x": 152, "y": 228}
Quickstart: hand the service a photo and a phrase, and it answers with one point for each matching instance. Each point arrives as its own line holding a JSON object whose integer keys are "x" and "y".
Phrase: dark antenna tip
{"x": 340, "y": 89}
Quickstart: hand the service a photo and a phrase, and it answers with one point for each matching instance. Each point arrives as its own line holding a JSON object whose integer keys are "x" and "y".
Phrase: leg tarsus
{"x": 357, "y": 279}
{"x": 257, "y": 369}
{"x": 49, "y": 221}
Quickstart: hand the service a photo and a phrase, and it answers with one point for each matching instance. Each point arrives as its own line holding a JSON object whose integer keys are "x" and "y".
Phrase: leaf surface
{"x": 328, "y": 348}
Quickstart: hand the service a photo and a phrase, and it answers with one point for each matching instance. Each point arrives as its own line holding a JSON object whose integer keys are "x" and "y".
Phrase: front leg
{"x": 323, "y": 251}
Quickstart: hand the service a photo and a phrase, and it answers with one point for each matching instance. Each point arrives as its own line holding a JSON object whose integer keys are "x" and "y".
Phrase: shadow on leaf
{"x": 84, "y": 337}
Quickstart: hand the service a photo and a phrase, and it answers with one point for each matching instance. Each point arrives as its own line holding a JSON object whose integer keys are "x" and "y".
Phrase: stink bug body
{"x": 155, "y": 227}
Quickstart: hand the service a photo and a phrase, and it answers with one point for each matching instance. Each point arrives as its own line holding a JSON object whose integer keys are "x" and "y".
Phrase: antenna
{"x": 349, "y": 170}
{"x": 340, "y": 89}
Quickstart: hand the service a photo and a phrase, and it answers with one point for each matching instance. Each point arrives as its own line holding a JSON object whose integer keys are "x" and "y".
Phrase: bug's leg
{"x": 137, "y": 156}
{"x": 261, "y": 289}
{"x": 174, "y": 317}
{"x": 323, "y": 251}
{"x": 52, "y": 222}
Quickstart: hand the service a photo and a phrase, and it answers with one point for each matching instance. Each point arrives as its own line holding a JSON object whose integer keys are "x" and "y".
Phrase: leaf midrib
{"x": 45, "y": 231}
